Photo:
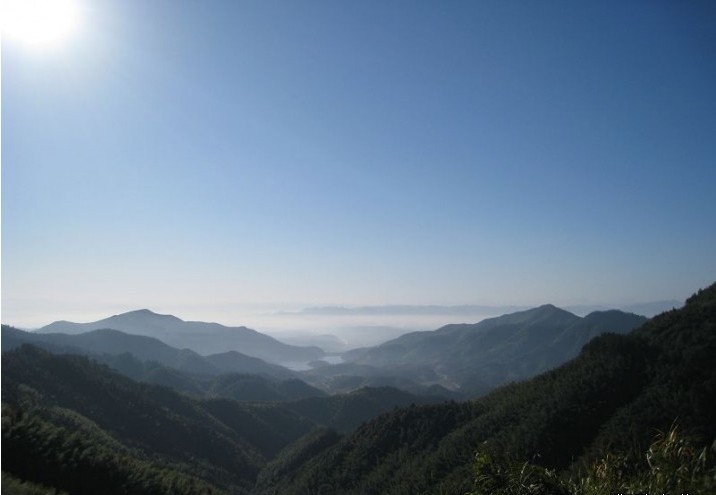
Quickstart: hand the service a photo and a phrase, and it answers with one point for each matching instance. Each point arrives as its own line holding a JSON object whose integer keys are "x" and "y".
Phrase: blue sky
{"x": 197, "y": 157}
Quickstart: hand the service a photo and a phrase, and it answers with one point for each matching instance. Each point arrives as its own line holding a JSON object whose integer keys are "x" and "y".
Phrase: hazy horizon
{"x": 285, "y": 317}
{"x": 339, "y": 328}
{"x": 200, "y": 157}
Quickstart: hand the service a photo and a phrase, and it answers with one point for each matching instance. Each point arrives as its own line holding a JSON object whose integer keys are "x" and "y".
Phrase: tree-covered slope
{"x": 66, "y": 418}
{"x": 146, "y": 359}
{"x": 345, "y": 412}
{"x": 611, "y": 398}
{"x": 56, "y": 449}
{"x": 476, "y": 358}
{"x": 216, "y": 444}
{"x": 105, "y": 341}
{"x": 160, "y": 423}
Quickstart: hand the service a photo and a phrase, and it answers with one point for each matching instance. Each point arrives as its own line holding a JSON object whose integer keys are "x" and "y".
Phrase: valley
{"x": 416, "y": 409}
{"x": 357, "y": 248}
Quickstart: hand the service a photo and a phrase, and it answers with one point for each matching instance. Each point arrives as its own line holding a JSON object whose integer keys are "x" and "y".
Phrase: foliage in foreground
{"x": 14, "y": 486}
{"x": 611, "y": 398}
{"x": 672, "y": 464}
{"x": 79, "y": 458}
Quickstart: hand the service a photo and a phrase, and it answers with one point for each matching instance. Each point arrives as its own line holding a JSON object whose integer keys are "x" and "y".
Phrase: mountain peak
{"x": 552, "y": 308}
{"x": 547, "y": 311}
{"x": 548, "y": 307}
{"x": 146, "y": 313}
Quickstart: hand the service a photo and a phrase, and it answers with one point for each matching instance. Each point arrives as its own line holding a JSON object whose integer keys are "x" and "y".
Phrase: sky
{"x": 205, "y": 157}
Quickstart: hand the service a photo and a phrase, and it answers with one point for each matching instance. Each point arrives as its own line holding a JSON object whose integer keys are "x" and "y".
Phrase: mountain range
{"x": 114, "y": 342}
{"x": 455, "y": 361}
{"x": 146, "y": 359}
{"x": 72, "y": 424}
{"x": 476, "y": 358}
{"x": 647, "y": 308}
{"x": 203, "y": 338}
{"x": 587, "y": 427}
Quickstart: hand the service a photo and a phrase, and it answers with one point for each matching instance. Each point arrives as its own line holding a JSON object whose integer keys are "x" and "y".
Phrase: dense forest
{"x": 608, "y": 403}
{"x": 66, "y": 417}
{"x": 631, "y": 412}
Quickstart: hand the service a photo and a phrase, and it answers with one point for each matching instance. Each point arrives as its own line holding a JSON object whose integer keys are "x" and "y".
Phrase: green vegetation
{"x": 230, "y": 374}
{"x": 586, "y": 428}
{"x": 65, "y": 417}
{"x": 82, "y": 463}
{"x": 294, "y": 456}
{"x": 80, "y": 418}
{"x": 14, "y": 486}
{"x": 672, "y": 464}
{"x": 608, "y": 401}
{"x": 345, "y": 412}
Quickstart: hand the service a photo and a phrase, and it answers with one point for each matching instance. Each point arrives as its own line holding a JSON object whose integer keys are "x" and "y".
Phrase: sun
{"x": 38, "y": 22}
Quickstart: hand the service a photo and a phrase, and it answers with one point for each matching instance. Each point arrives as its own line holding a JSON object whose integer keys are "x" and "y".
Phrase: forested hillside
{"x": 149, "y": 423}
{"x": 146, "y": 359}
{"x": 74, "y": 425}
{"x": 106, "y": 342}
{"x": 67, "y": 418}
{"x": 609, "y": 401}
{"x": 475, "y": 358}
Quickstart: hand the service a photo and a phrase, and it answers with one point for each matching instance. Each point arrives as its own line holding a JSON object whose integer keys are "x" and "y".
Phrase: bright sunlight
{"x": 39, "y": 22}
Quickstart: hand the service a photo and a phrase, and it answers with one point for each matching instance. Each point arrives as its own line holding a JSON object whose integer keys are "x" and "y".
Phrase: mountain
{"x": 70, "y": 424}
{"x": 146, "y": 359}
{"x": 108, "y": 341}
{"x": 75, "y": 425}
{"x": 405, "y": 309}
{"x": 345, "y": 412}
{"x": 475, "y": 358}
{"x": 236, "y": 362}
{"x": 328, "y": 342}
{"x": 237, "y": 386}
{"x": 647, "y": 309}
{"x": 549, "y": 431}
{"x": 256, "y": 388}
{"x": 114, "y": 342}
{"x": 346, "y": 377}
{"x": 51, "y": 394}
{"x": 203, "y": 338}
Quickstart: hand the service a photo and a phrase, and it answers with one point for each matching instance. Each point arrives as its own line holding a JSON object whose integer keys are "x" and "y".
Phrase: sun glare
{"x": 38, "y": 22}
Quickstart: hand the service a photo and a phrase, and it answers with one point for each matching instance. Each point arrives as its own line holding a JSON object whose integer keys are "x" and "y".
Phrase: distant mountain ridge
{"x": 464, "y": 359}
{"x": 606, "y": 403}
{"x": 114, "y": 342}
{"x": 647, "y": 309}
{"x": 478, "y": 357}
{"x": 72, "y": 424}
{"x": 408, "y": 309}
{"x": 201, "y": 337}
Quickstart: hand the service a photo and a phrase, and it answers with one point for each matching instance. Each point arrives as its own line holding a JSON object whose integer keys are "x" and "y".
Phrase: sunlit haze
{"x": 39, "y": 22}
{"x": 225, "y": 161}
